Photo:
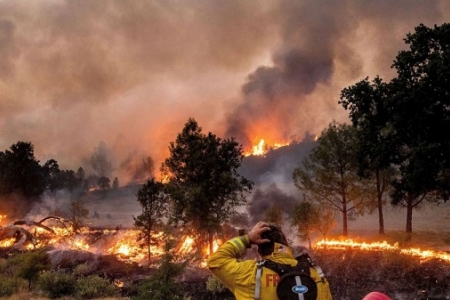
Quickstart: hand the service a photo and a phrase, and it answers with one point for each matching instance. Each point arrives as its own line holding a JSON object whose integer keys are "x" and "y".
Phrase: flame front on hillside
{"x": 262, "y": 147}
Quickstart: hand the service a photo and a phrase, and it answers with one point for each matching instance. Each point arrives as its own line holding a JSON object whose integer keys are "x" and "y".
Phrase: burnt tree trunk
{"x": 380, "y": 204}
{"x": 344, "y": 217}
{"x": 409, "y": 211}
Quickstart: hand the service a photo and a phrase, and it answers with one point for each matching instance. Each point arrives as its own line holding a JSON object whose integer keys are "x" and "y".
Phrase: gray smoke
{"x": 131, "y": 73}
{"x": 265, "y": 198}
{"x": 319, "y": 45}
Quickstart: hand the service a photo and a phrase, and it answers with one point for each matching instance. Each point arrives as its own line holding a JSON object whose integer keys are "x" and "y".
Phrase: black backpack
{"x": 295, "y": 281}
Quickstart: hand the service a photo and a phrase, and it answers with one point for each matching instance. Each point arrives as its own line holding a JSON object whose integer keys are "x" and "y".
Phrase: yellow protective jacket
{"x": 240, "y": 276}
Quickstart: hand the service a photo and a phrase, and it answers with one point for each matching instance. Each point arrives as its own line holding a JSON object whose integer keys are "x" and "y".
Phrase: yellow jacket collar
{"x": 279, "y": 248}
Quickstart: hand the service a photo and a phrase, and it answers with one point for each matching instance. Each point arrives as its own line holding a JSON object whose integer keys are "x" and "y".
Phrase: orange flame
{"x": 186, "y": 245}
{"x": 164, "y": 178}
{"x": 2, "y": 217}
{"x": 121, "y": 243}
{"x": 258, "y": 149}
{"x": 261, "y": 148}
{"x": 6, "y": 243}
{"x": 383, "y": 246}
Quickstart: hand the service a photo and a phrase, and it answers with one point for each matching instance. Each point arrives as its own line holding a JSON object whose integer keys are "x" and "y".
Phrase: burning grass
{"x": 404, "y": 269}
{"x": 58, "y": 234}
{"x": 350, "y": 244}
{"x": 352, "y": 273}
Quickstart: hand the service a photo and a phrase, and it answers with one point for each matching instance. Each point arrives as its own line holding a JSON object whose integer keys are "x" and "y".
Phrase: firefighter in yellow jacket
{"x": 240, "y": 276}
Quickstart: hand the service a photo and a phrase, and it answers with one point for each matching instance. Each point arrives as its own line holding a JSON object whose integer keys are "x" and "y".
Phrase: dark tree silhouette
{"x": 203, "y": 180}
{"x": 154, "y": 206}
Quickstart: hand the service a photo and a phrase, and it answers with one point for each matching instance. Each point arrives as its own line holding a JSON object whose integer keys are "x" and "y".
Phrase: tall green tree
{"x": 154, "y": 206}
{"x": 329, "y": 176}
{"x": 420, "y": 119}
{"x": 369, "y": 113}
{"x": 203, "y": 180}
{"x": 401, "y": 123}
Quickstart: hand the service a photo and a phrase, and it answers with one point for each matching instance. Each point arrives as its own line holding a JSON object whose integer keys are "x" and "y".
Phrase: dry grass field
{"x": 351, "y": 272}
{"x": 430, "y": 224}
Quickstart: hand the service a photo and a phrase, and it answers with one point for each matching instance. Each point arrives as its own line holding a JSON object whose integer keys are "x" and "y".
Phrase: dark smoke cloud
{"x": 270, "y": 196}
{"x": 319, "y": 46}
{"x": 131, "y": 73}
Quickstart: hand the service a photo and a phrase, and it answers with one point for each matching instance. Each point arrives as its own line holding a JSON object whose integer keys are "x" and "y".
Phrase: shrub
{"x": 152, "y": 288}
{"x": 94, "y": 286}
{"x": 28, "y": 265}
{"x": 82, "y": 269}
{"x": 8, "y": 285}
{"x": 162, "y": 285}
{"x": 56, "y": 284}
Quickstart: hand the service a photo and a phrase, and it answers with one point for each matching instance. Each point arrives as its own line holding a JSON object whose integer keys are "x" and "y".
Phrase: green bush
{"x": 162, "y": 285}
{"x": 8, "y": 285}
{"x": 94, "y": 287}
{"x": 82, "y": 269}
{"x": 152, "y": 288}
{"x": 57, "y": 284}
{"x": 28, "y": 265}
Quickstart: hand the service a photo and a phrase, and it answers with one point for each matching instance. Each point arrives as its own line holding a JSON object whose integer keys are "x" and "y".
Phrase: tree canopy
{"x": 403, "y": 124}
{"x": 21, "y": 171}
{"x": 368, "y": 106}
{"x": 154, "y": 206}
{"x": 203, "y": 181}
{"x": 329, "y": 174}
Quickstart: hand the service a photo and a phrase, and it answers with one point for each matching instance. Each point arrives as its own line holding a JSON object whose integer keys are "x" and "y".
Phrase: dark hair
{"x": 275, "y": 235}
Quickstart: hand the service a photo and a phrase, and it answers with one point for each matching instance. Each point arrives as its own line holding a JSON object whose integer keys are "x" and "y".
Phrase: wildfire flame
{"x": 383, "y": 246}
{"x": 164, "y": 178}
{"x": 261, "y": 148}
{"x": 187, "y": 245}
{"x": 126, "y": 247}
{"x": 124, "y": 244}
{"x": 6, "y": 243}
{"x": 2, "y": 217}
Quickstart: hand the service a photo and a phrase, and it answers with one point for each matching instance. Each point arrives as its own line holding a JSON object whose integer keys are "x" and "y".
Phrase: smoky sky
{"x": 129, "y": 74}
{"x": 265, "y": 198}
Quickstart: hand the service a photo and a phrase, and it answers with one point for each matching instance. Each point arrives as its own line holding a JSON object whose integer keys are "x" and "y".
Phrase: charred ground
{"x": 351, "y": 274}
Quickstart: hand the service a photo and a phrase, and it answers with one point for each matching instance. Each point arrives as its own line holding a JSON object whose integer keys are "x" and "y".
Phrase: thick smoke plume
{"x": 323, "y": 45}
{"x": 130, "y": 73}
